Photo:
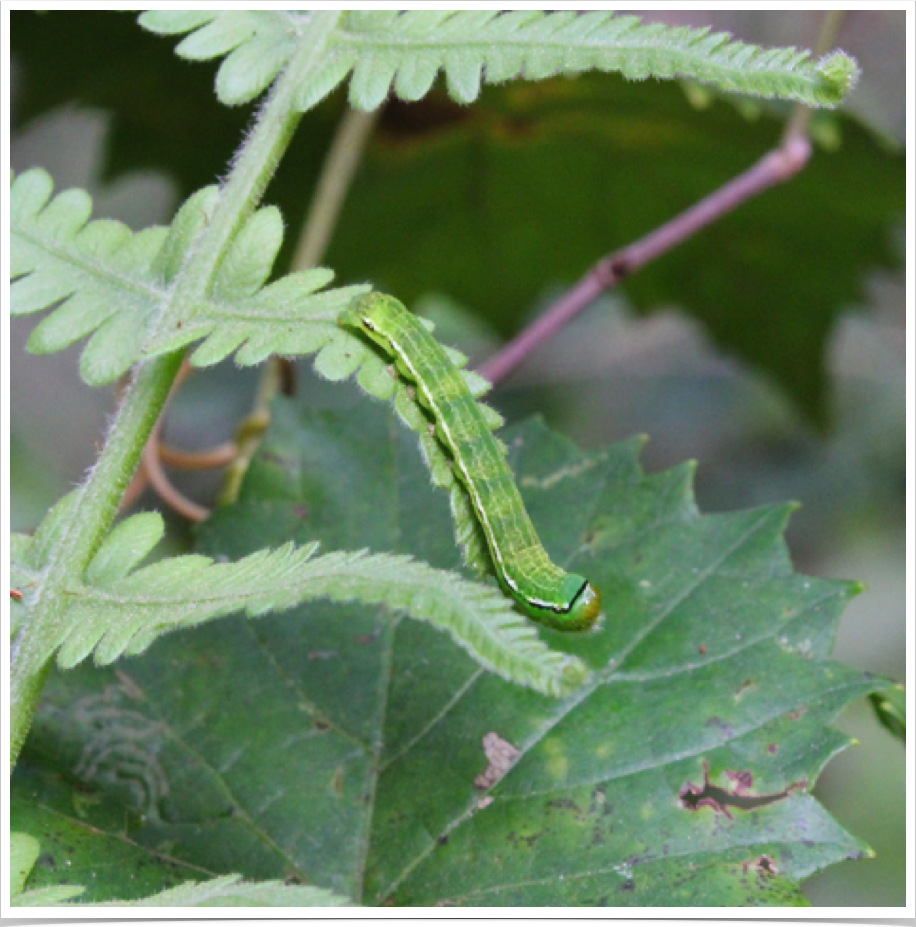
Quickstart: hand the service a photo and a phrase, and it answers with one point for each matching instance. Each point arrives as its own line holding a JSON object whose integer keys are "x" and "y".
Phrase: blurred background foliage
{"x": 770, "y": 348}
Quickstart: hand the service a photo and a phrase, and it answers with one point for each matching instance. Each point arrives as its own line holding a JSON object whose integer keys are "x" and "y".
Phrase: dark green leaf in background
{"x": 537, "y": 181}
{"x": 526, "y": 188}
{"x": 335, "y": 746}
{"x": 164, "y": 111}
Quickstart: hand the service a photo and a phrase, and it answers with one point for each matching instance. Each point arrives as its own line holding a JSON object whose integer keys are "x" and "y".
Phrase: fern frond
{"x": 22, "y": 571}
{"x": 24, "y": 579}
{"x": 99, "y": 272}
{"x": 122, "y": 611}
{"x": 289, "y": 317}
{"x": 105, "y": 281}
{"x": 403, "y": 52}
{"x": 258, "y": 44}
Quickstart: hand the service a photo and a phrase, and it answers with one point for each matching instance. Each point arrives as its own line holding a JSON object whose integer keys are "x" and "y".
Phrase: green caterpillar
{"x": 542, "y": 590}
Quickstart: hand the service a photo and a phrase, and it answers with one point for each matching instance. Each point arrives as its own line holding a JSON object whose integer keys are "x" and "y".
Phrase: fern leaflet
{"x": 115, "y": 285}
{"x": 404, "y": 51}
{"x": 121, "y": 610}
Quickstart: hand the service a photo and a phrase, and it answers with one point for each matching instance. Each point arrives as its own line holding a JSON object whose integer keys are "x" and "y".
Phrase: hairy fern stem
{"x": 92, "y": 515}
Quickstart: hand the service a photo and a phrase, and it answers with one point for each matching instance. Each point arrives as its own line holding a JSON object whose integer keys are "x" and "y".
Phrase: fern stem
{"x": 774, "y": 167}
{"x": 97, "y": 504}
{"x": 258, "y": 157}
{"x": 86, "y": 528}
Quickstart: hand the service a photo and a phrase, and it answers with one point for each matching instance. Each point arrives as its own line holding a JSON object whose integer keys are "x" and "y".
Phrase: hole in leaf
{"x": 694, "y": 797}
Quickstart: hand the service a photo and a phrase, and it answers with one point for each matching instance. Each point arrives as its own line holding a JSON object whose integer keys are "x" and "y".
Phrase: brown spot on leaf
{"x": 694, "y": 797}
{"x": 500, "y": 755}
{"x": 564, "y": 803}
{"x": 528, "y": 840}
{"x": 743, "y": 780}
{"x": 744, "y": 687}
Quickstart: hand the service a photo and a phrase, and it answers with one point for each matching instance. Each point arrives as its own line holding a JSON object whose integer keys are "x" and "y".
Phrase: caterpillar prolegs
{"x": 541, "y": 589}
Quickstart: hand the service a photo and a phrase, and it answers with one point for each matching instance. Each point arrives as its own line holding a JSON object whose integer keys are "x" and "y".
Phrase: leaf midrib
{"x": 102, "y": 272}
{"x": 418, "y": 44}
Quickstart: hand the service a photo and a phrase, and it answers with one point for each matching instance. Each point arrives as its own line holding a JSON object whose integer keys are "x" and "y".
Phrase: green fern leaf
{"x": 258, "y": 44}
{"x": 403, "y": 52}
{"x": 106, "y": 282}
{"x": 48, "y": 535}
{"x": 473, "y": 47}
{"x": 125, "y": 547}
{"x": 288, "y": 317}
{"x": 121, "y": 612}
{"x": 103, "y": 279}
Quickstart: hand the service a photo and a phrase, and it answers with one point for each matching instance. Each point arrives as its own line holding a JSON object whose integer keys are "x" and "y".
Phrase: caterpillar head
{"x": 585, "y": 609}
{"x": 373, "y": 314}
{"x": 581, "y": 613}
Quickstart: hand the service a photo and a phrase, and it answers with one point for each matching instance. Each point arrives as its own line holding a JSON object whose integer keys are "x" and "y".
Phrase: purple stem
{"x": 775, "y": 167}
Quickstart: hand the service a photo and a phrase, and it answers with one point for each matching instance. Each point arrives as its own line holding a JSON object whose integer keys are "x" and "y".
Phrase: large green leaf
{"x": 223, "y": 892}
{"x": 536, "y": 182}
{"x": 84, "y": 841}
{"x": 339, "y": 747}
